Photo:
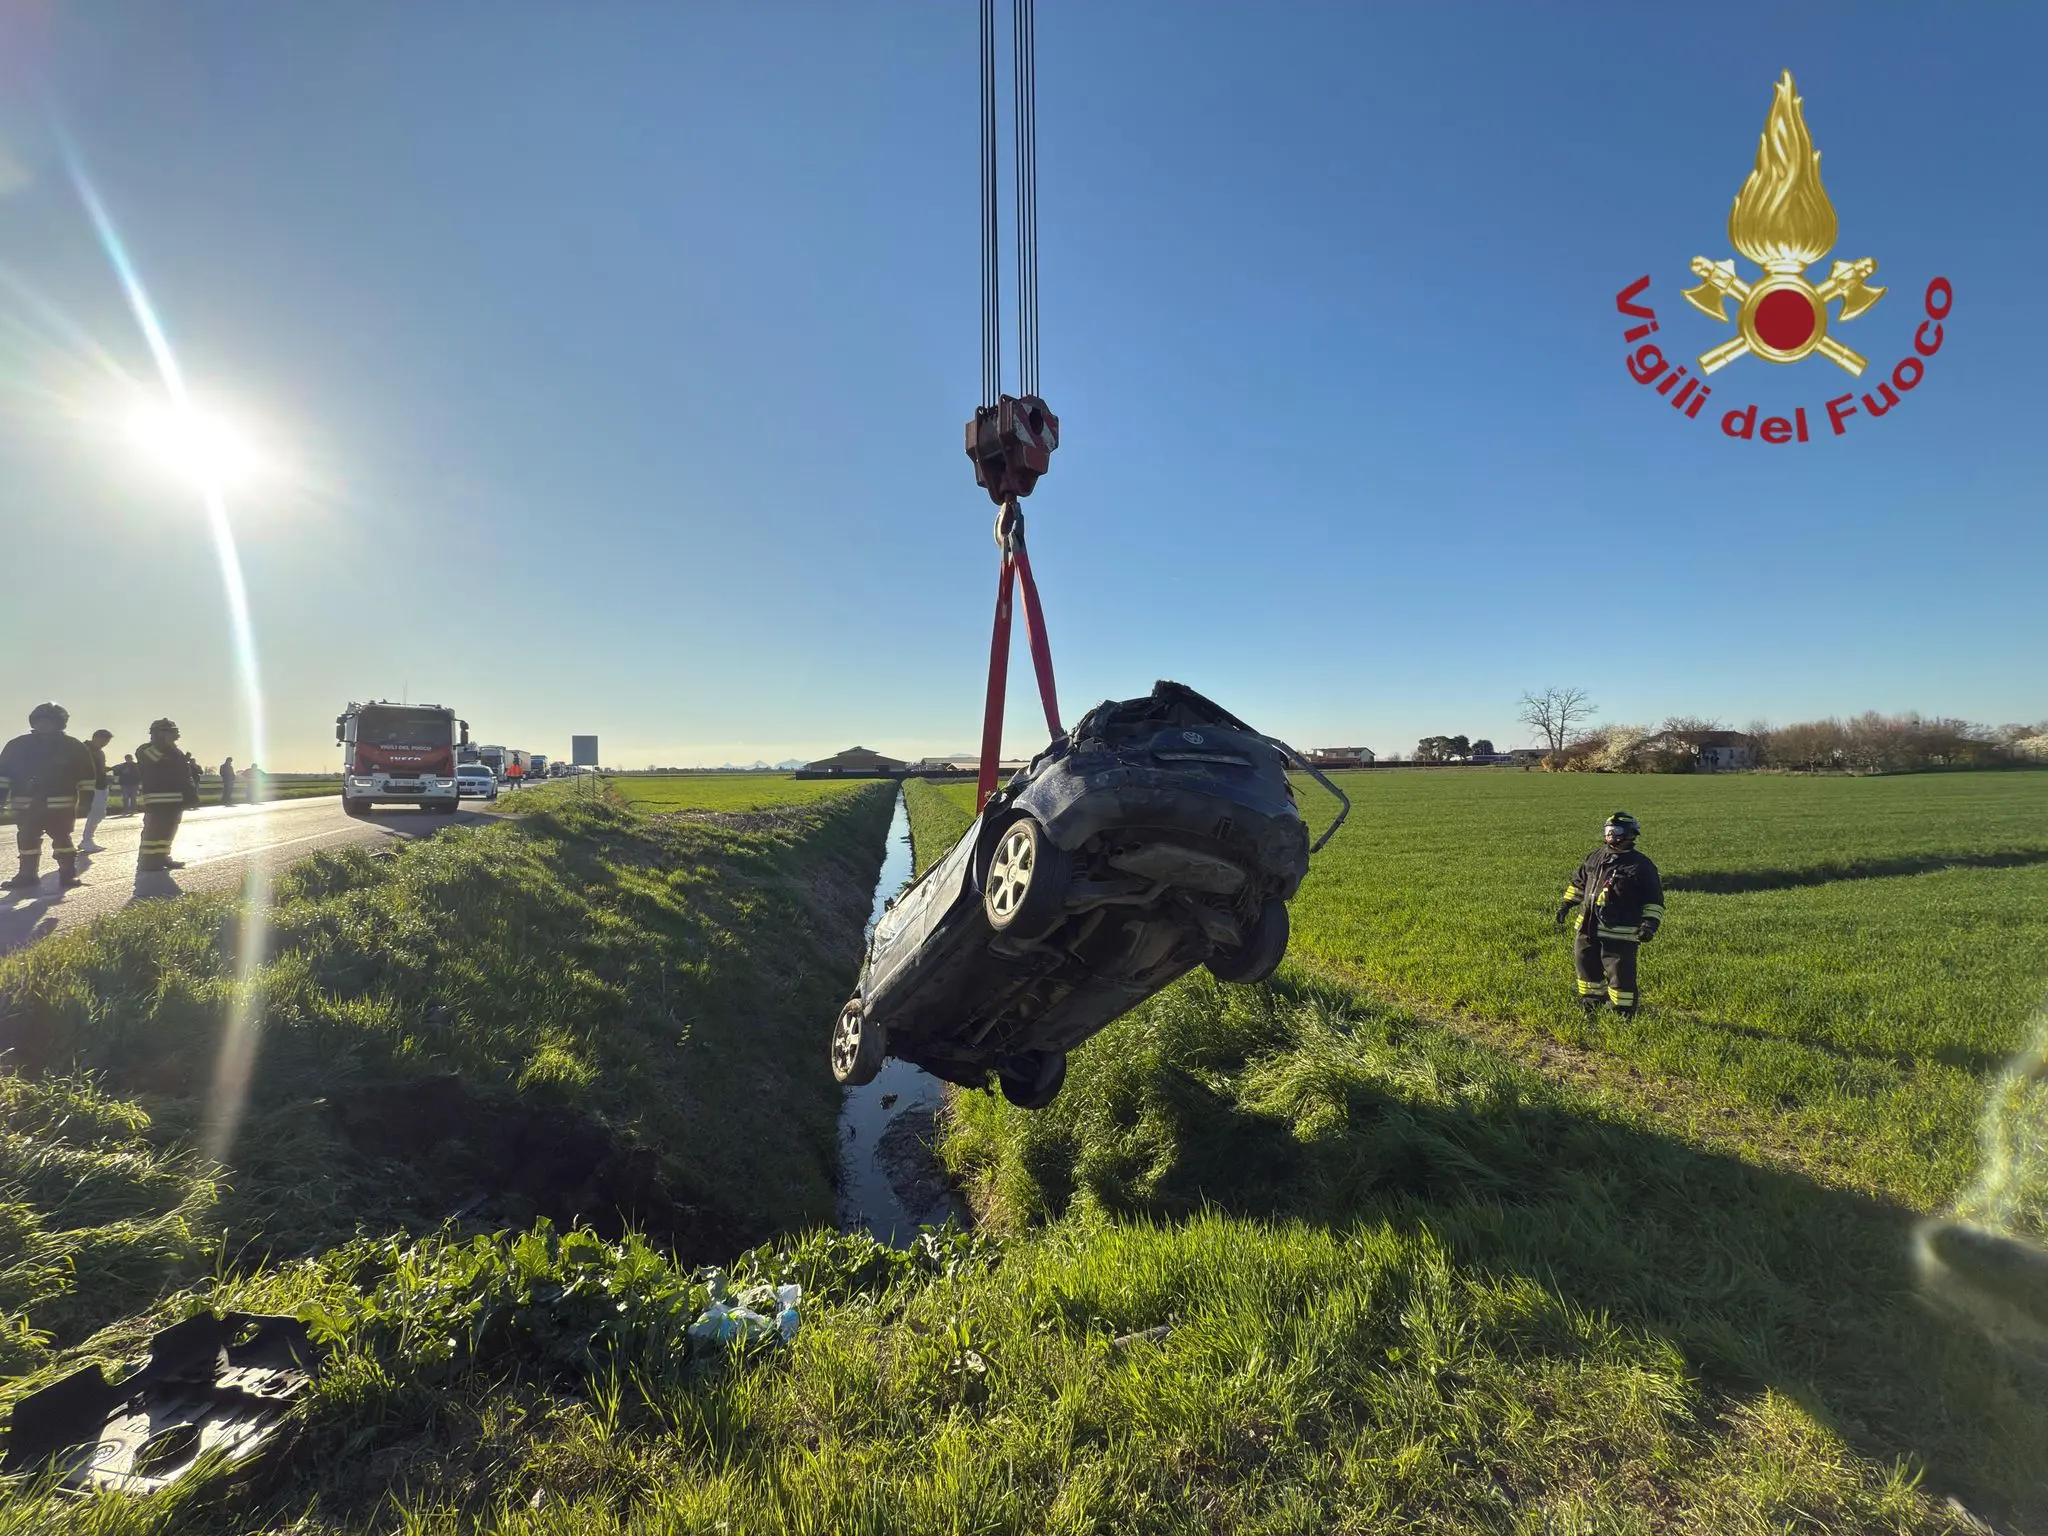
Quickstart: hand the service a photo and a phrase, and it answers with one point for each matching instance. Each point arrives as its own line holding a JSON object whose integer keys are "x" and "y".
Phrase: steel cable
{"x": 991, "y": 254}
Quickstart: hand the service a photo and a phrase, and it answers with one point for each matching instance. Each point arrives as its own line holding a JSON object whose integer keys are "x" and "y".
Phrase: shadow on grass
{"x": 588, "y": 1017}
{"x": 1325, "y": 1112}
{"x": 1977, "y": 1062}
{"x": 1739, "y": 882}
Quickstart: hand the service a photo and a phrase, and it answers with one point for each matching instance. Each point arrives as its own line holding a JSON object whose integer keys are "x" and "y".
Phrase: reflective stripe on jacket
{"x": 1617, "y": 890}
{"x": 169, "y": 776}
{"x": 45, "y": 770}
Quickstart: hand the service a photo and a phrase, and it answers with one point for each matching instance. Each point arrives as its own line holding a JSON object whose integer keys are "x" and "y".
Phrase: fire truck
{"x": 398, "y": 754}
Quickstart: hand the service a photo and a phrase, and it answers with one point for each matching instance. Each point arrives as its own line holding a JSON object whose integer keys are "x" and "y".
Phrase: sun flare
{"x": 209, "y": 450}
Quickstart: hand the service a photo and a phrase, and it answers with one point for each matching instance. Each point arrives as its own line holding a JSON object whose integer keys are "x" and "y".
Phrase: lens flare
{"x": 1989, "y": 1256}
{"x": 212, "y": 457}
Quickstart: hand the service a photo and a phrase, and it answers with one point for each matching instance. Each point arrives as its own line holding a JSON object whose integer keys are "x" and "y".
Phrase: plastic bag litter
{"x": 721, "y": 1322}
{"x": 786, "y": 1320}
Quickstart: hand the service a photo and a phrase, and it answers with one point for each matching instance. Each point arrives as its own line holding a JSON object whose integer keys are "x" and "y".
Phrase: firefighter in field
{"x": 42, "y": 775}
{"x": 1619, "y": 901}
{"x": 170, "y": 783}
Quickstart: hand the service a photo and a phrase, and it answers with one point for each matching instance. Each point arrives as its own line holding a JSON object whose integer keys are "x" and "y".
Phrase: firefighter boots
{"x": 26, "y": 877}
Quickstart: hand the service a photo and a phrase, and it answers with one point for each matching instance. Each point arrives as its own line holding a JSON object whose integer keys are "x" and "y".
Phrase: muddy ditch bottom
{"x": 890, "y": 1181}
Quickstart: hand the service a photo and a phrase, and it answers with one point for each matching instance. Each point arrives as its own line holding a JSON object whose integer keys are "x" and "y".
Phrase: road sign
{"x": 582, "y": 751}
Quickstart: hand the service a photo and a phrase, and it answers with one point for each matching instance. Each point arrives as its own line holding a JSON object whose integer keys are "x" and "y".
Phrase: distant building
{"x": 1524, "y": 756}
{"x": 856, "y": 762}
{"x": 1711, "y": 750}
{"x": 968, "y": 764}
{"x": 1341, "y": 757}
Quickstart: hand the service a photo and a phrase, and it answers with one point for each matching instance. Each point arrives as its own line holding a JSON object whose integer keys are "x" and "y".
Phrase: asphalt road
{"x": 218, "y": 845}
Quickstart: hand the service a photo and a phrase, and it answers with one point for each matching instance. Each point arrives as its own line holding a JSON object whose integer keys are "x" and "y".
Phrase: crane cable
{"x": 1016, "y": 561}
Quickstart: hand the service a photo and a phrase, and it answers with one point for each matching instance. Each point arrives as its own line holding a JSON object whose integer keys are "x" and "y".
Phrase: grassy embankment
{"x": 586, "y": 1014}
{"x": 938, "y": 814}
{"x": 1769, "y": 1322}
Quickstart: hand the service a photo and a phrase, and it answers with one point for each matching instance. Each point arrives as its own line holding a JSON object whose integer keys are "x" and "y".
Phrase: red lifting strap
{"x": 1010, "y": 534}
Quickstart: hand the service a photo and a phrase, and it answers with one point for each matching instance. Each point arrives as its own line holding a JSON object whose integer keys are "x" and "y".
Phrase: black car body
{"x": 1158, "y": 835}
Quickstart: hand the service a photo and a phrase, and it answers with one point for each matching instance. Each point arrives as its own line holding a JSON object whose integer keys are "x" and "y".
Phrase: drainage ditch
{"x": 890, "y": 1182}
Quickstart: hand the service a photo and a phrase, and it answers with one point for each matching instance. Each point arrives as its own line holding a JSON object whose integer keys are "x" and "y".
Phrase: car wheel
{"x": 445, "y": 807}
{"x": 1035, "y": 1079}
{"x": 859, "y": 1046}
{"x": 1260, "y": 954}
{"x": 1027, "y": 880}
{"x": 354, "y": 807}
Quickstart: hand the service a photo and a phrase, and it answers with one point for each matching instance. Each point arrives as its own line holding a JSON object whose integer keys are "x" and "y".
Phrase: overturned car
{"x": 1158, "y": 835}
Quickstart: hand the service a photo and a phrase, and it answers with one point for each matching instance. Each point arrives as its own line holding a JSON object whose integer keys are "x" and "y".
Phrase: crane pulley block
{"x": 1011, "y": 444}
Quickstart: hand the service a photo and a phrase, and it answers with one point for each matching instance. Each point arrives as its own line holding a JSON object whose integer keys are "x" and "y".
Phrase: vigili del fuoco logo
{"x": 1782, "y": 220}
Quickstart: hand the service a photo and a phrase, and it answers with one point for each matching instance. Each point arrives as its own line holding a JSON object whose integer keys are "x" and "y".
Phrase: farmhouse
{"x": 1341, "y": 757}
{"x": 1711, "y": 750}
{"x": 967, "y": 764}
{"x": 856, "y": 762}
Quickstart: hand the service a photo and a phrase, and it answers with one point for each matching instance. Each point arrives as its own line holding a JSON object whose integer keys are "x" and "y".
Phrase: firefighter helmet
{"x": 1621, "y": 830}
{"x": 163, "y": 727}
{"x": 55, "y": 715}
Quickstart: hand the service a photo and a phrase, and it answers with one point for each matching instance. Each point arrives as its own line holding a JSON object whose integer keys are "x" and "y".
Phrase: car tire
{"x": 354, "y": 807}
{"x": 444, "y": 807}
{"x": 1260, "y": 954}
{"x": 1028, "y": 876}
{"x": 859, "y": 1046}
{"x": 1043, "y": 1075}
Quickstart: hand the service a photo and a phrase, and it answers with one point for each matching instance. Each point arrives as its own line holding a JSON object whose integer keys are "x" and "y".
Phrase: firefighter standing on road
{"x": 42, "y": 776}
{"x": 170, "y": 783}
{"x": 1619, "y": 899}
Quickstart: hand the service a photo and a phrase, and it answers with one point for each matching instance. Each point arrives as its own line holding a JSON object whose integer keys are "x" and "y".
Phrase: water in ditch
{"x": 890, "y": 1183}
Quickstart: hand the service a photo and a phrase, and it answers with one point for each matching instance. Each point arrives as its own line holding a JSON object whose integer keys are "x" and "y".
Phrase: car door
{"x": 910, "y": 923}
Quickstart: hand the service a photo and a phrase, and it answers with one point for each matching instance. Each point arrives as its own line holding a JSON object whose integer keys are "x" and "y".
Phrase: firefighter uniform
{"x": 42, "y": 776}
{"x": 1618, "y": 898}
{"x": 170, "y": 783}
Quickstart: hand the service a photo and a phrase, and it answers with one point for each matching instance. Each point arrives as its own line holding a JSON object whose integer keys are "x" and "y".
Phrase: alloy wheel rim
{"x": 1011, "y": 877}
{"x": 846, "y": 1038}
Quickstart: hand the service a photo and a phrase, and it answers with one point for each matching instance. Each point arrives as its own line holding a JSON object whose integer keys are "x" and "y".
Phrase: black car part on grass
{"x": 1158, "y": 835}
{"x": 211, "y": 1385}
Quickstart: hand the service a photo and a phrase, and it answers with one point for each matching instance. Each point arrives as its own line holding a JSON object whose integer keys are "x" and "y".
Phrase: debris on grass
{"x": 213, "y": 1386}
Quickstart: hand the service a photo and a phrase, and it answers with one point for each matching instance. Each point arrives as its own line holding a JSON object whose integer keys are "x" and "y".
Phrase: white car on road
{"x": 473, "y": 781}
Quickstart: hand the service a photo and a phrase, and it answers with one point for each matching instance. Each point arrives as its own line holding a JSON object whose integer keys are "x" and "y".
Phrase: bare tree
{"x": 1553, "y": 713}
{"x": 1691, "y": 725}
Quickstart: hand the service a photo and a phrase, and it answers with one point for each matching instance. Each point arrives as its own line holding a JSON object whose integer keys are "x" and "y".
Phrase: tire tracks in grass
{"x": 1650, "y": 1100}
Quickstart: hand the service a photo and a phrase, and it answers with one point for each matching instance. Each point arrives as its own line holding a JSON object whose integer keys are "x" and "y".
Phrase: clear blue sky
{"x": 622, "y": 354}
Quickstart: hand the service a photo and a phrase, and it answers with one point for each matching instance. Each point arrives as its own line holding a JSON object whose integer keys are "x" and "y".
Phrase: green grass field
{"x": 1846, "y": 968}
{"x": 1391, "y": 1243}
{"x": 658, "y": 793}
{"x": 1850, "y": 957}
{"x": 1847, "y": 959}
